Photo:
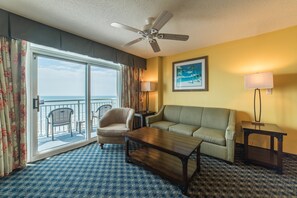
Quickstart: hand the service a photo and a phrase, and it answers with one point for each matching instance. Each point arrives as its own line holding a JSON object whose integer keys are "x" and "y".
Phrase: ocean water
{"x": 49, "y": 98}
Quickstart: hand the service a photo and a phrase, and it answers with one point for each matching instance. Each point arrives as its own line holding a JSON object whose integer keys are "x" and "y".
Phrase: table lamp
{"x": 147, "y": 86}
{"x": 258, "y": 81}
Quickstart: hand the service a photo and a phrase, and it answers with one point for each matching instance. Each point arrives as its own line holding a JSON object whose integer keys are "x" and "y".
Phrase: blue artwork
{"x": 189, "y": 76}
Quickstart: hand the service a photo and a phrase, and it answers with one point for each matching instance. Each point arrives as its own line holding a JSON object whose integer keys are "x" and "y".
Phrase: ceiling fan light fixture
{"x": 150, "y": 20}
{"x": 151, "y": 31}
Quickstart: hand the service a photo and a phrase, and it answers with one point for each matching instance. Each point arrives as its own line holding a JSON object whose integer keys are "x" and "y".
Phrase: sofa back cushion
{"x": 216, "y": 118}
{"x": 172, "y": 113}
{"x": 191, "y": 115}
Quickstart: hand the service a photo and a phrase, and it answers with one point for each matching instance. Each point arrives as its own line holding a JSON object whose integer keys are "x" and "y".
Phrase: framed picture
{"x": 190, "y": 75}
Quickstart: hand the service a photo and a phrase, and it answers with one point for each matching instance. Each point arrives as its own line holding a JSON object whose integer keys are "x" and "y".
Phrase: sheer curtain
{"x": 13, "y": 151}
{"x": 131, "y": 95}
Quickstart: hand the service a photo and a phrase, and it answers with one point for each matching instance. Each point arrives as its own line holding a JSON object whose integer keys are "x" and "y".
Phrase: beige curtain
{"x": 13, "y": 146}
{"x": 131, "y": 95}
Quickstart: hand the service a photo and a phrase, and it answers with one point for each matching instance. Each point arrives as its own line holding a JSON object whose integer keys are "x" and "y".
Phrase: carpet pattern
{"x": 92, "y": 172}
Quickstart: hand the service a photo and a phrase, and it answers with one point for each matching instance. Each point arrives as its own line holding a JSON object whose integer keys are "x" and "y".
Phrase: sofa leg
{"x": 101, "y": 145}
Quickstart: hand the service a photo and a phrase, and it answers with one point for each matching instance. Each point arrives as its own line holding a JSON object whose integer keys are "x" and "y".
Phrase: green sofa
{"x": 215, "y": 126}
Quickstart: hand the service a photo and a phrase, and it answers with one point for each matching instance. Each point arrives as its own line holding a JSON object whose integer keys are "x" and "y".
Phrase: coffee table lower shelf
{"x": 166, "y": 165}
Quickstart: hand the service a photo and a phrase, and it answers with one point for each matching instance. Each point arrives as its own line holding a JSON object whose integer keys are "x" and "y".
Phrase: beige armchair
{"x": 113, "y": 124}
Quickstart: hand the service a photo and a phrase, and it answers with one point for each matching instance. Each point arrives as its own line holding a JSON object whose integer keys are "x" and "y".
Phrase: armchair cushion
{"x": 162, "y": 125}
{"x": 214, "y": 136}
{"x": 115, "y": 129}
{"x": 183, "y": 129}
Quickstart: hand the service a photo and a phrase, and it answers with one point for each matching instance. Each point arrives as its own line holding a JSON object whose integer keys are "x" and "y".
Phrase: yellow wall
{"x": 228, "y": 63}
{"x": 154, "y": 74}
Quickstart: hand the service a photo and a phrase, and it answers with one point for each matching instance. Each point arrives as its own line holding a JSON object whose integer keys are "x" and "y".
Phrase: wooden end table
{"x": 141, "y": 115}
{"x": 261, "y": 156}
{"x": 165, "y": 153}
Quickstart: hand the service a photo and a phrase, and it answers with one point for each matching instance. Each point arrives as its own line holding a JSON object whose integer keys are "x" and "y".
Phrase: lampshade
{"x": 148, "y": 86}
{"x": 258, "y": 81}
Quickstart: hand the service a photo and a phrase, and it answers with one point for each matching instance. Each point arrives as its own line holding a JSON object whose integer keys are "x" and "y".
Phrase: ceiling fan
{"x": 151, "y": 31}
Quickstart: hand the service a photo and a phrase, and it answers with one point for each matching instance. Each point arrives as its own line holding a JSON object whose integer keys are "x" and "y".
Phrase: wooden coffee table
{"x": 165, "y": 153}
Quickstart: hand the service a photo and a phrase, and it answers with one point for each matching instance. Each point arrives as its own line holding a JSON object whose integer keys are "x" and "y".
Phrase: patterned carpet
{"x": 92, "y": 172}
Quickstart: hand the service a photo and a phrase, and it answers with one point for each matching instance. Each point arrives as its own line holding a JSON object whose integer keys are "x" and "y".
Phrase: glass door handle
{"x": 36, "y": 103}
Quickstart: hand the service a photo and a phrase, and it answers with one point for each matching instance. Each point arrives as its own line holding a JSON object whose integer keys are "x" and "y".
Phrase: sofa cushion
{"x": 216, "y": 118}
{"x": 214, "y": 136}
{"x": 115, "y": 129}
{"x": 191, "y": 115}
{"x": 171, "y": 113}
{"x": 162, "y": 125}
{"x": 183, "y": 129}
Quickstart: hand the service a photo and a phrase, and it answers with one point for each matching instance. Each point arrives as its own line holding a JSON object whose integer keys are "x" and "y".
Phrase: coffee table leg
{"x": 127, "y": 149}
{"x": 185, "y": 175}
{"x": 198, "y": 159}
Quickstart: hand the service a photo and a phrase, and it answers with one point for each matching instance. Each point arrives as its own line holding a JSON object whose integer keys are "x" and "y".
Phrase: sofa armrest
{"x": 230, "y": 131}
{"x": 154, "y": 118}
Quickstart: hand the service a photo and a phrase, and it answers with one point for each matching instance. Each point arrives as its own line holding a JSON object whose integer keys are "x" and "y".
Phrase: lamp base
{"x": 258, "y": 123}
{"x": 147, "y": 101}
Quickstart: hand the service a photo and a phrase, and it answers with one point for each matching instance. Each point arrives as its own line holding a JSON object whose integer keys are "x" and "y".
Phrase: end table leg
{"x": 271, "y": 143}
{"x": 141, "y": 121}
{"x": 280, "y": 155}
{"x": 246, "y": 145}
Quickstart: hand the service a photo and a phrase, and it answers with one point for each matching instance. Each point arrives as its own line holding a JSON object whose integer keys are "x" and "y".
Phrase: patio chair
{"x": 100, "y": 112}
{"x": 113, "y": 125}
{"x": 59, "y": 117}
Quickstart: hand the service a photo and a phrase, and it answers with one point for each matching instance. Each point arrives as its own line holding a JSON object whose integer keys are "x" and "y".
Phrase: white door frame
{"x": 32, "y": 72}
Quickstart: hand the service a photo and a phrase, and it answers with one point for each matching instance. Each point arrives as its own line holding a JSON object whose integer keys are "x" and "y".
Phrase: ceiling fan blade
{"x": 133, "y": 42}
{"x": 162, "y": 19}
{"x": 154, "y": 45}
{"x": 126, "y": 27}
{"x": 178, "y": 37}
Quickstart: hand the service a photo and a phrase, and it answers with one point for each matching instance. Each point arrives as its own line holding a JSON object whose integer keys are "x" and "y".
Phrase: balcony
{"x": 62, "y": 135}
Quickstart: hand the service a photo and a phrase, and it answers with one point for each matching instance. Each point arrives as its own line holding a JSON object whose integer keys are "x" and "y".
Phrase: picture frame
{"x": 190, "y": 75}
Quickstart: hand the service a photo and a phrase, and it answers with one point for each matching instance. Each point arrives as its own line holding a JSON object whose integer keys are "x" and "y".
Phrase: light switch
{"x": 268, "y": 91}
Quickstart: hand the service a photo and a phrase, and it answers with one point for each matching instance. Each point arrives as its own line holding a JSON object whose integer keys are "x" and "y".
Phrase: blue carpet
{"x": 87, "y": 172}
{"x": 92, "y": 172}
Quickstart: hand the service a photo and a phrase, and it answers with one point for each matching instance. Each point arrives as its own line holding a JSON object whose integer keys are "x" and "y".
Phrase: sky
{"x": 65, "y": 78}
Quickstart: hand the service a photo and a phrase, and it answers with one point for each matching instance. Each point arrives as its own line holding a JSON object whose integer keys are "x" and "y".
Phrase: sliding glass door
{"x": 61, "y": 91}
{"x": 69, "y": 94}
{"x": 104, "y": 93}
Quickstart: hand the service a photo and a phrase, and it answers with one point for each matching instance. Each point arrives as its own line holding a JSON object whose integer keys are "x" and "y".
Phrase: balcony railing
{"x": 79, "y": 112}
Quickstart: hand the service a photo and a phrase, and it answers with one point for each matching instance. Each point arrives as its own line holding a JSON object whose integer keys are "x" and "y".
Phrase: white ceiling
{"x": 208, "y": 22}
